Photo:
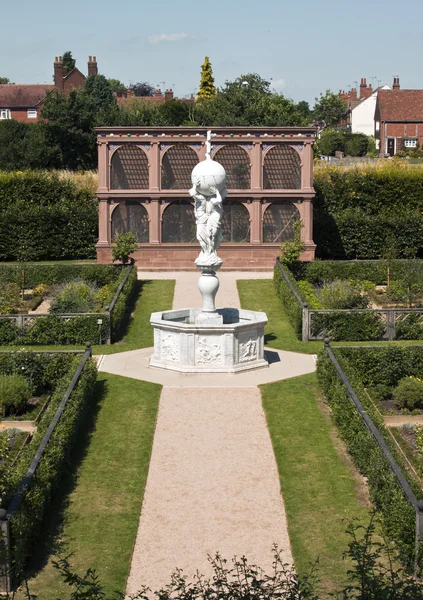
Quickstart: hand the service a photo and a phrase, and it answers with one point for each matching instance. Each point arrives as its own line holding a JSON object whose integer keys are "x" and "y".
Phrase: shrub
{"x": 74, "y": 297}
{"x": 360, "y": 365}
{"x": 10, "y": 298}
{"x": 409, "y": 393}
{"x": 290, "y": 303}
{"x": 125, "y": 244}
{"x": 341, "y": 294}
{"x": 45, "y": 217}
{"x": 14, "y": 394}
{"x": 347, "y": 326}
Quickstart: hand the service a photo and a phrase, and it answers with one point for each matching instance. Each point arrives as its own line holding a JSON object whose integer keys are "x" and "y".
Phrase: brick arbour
{"x": 145, "y": 175}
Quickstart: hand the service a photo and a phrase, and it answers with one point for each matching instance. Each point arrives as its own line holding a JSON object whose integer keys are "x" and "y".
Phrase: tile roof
{"x": 23, "y": 96}
{"x": 401, "y": 105}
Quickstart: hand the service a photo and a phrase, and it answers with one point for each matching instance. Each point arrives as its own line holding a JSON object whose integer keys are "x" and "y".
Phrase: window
{"x": 377, "y": 125}
{"x": 129, "y": 168}
{"x": 278, "y": 221}
{"x": 282, "y": 168}
{"x": 178, "y": 223}
{"x": 410, "y": 143}
{"x": 5, "y": 113}
{"x": 131, "y": 216}
{"x": 32, "y": 113}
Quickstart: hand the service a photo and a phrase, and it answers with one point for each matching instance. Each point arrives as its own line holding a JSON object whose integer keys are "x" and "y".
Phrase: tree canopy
{"x": 329, "y": 109}
{"x": 142, "y": 88}
{"x": 68, "y": 61}
{"x": 207, "y": 88}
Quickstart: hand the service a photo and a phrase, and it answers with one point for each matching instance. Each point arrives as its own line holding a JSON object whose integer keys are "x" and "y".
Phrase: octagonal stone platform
{"x": 232, "y": 340}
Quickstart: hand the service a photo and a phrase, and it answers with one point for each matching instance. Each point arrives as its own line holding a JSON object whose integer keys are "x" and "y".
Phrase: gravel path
{"x": 212, "y": 486}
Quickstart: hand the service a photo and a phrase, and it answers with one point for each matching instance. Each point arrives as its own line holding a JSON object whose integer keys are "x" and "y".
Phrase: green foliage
{"x": 41, "y": 370}
{"x": 341, "y": 294}
{"x": 118, "y": 87}
{"x": 291, "y": 250}
{"x": 329, "y": 109}
{"x": 397, "y": 514}
{"x": 352, "y": 144}
{"x": 43, "y": 217}
{"x": 27, "y": 146}
{"x": 358, "y": 212}
{"x": 5, "y": 80}
{"x": 409, "y": 393}
{"x": 347, "y": 326}
{"x": 10, "y": 298}
{"x": 14, "y": 394}
{"x": 26, "y": 523}
{"x": 124, "y": 245}
{"x": 207, "y": 88}
{"x": 291, "y": 305}
{"x": 68, "y": 61}
{"x": 73, "y": 297}
{"x": 308, "y": 292}
{"x": 51, "y": 274}
{"x": 54, "y": 329}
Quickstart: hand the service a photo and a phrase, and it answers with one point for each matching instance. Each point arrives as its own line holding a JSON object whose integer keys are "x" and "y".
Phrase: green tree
{"x": 4, "y": 80}
{"x": 248, "y": 100}
{"x": 27, "y": 146}
{"x": 99, "y": 95}
{"x": 117, "y": 86}
{"x": 329, "y": 109}
{"x": 142, "y": 88}
{"x": 68, "y": 61}
{"x": 125, "y": 244}
{"x": 207, "y": 88}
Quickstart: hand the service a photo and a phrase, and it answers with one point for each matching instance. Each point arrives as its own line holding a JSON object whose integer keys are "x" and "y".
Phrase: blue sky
{"x": 305, "y": 46}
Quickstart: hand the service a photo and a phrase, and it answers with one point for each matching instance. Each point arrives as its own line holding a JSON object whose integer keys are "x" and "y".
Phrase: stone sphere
{"x": 208, "y": 174}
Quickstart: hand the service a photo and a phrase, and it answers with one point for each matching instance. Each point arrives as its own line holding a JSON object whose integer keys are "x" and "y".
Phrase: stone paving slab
{"x": 27, "y": 426}
{"x": 135, "y": 364}
{"x": 212, "y": 486}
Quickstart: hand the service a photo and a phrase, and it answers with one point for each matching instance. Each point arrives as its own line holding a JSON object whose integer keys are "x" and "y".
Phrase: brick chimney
{"x": 168, "y": 95}
{"x": 365, "y": 90}
{"x": 92, "y": 66}
{"x": 158, "y": 93}
{"x": 58, "y": 73}
{"x": 353, "y": 94}
{"x": 396, "y": 84}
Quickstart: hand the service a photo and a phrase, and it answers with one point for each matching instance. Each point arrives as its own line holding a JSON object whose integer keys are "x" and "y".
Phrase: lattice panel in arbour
{"x": 130, "y": 216}
{"x": 282, "y": 169}
{"x": 177, "y": 165}
{"x": 278, "y": 221}
{"x": 409, "y": 325}
{"x": 129, "y": 169}
{"x": 178, "y": 223}
{"x": 235, "y": 222}
{"x": 236, "y": 162}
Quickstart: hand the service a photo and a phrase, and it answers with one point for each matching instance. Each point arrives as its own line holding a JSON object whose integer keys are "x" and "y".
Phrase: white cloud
{"x": 278, "y": 84}
{"x": 168, "y": 37}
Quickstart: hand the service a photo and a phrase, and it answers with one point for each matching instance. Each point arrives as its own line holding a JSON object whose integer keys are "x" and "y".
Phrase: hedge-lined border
{"x": 345, "y": 325}
{"x": 42, "y": 463}
{"x": 69, "y": 329}
{"x": 394, "y": 491}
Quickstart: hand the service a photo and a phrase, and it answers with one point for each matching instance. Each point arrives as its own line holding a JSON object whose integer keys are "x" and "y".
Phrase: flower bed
{"x": 353, "y": 300}
{"x": 86, "y": 303}
{"x": 395, "y": 492}
{"x": 27, "y": 489}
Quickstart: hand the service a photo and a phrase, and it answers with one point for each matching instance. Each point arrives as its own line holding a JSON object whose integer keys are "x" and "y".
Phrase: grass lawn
{"x": 96, "y": 516}
{"x": 320, "y": 486}
{"x": 259, "y": 294}
{"x": 152, "y": 296}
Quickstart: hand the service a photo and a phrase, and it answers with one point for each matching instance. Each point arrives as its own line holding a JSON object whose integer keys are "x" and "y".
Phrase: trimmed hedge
{"x": 290, "y": 303}
{"x": 45, "y": 217}
{"x": 361, "y": 212}
{"x": 41, "y": 369}
{"x": 26, "y": 523}
{"x": 53, "y": 329}
{"x": 349, "y": 326}
{"x": 360, "y": 366}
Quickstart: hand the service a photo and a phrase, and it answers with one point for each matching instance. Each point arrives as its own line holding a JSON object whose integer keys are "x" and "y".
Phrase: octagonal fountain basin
{"x": 190, "y": 341}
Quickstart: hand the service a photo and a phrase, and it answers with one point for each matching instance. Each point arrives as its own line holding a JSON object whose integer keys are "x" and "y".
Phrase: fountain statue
{"x": 208, "y": 340}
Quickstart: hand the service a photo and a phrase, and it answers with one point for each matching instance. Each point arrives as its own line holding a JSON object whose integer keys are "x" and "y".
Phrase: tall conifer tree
{"x": 207, "y": 88}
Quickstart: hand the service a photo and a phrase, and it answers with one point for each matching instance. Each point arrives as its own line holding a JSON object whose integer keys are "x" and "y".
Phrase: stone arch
{"x": 282, "y": 168}
{"x": 278, "y": 221}
{"x": 235, "y": 222}
{"x": 129, "y": 168}
{"x": 130, "y": 215}
{"x": 236, "y": 162}
{"x": 177, "y": 164}
{"x": 178, "y": 223}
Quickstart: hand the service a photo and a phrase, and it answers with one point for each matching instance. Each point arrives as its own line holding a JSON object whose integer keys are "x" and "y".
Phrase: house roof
{"x": 23, "y": 96}
{"x": 400, "y": 105}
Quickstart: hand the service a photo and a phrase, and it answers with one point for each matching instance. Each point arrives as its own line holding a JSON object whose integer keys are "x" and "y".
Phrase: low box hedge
{"x": 361, "y": 365}
{"x": 26, "y": 522}
{"x": 71, "y": 329}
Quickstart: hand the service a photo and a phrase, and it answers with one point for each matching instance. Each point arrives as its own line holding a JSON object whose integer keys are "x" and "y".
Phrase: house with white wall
{"x": 363, "y": 114}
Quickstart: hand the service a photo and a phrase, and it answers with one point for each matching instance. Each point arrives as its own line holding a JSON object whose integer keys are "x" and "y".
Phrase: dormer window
{"x": 32, "y": 113}
{"x": 5, "y": 113}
